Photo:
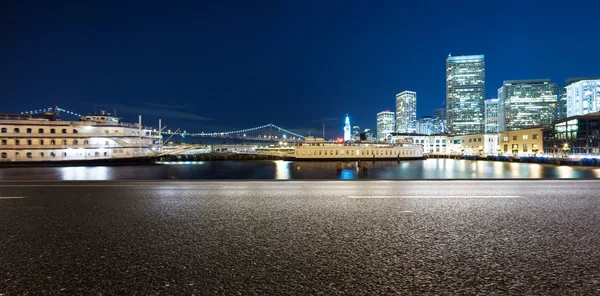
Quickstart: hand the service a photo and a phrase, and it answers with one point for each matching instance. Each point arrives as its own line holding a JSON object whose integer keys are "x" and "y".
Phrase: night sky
{"x": 224, "y": 65}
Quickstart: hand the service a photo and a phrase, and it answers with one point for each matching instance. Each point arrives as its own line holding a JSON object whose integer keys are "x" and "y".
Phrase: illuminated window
{"x": 29, "y": 155}
{"x": 525, "y": 137}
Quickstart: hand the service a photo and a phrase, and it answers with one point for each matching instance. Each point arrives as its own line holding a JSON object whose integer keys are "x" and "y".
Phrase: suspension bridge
{"x": 267, "y": 132}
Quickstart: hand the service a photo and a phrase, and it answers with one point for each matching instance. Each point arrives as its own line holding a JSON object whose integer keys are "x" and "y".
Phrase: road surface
{"x": 504, "y": 237}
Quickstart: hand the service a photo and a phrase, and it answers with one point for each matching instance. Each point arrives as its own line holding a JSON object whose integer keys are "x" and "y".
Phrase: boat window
{"x": 336, "y": 152}
{"x": 3, "y": 130}
{"x": 17, "y": 155}
{"x": 41, "y": 142}
{"x": 17, "y": 130}
{"x": 330, "y": 152}
{"x": 74, "y": 131}
{"x": 52, "y": 131}
{"x": 325, "y": 152}
{"x": 64, "y": 154}
{"x": 116, "y": 131}
{"x": 17, "y": 142}
{"x": 75, "y": 142}
{"x": 29, "y": 155}
{"x": 52, "y": 142}
{"x": 319, "y": 152}
{"x": 53, "y": 154}
{"x": 42, "y": 154}
{"x": 106, "y": 132}
{"x": 97, "y": 154}
{"x": 64, "y": 130}
{"x": 4, "y": 155}
{"x": 65, "y": 142}
{"x": 28, "y": 131}
{"x": 86, "y": 142}
{"x": 28, "y": 142}
{"x": 41, "y": 131}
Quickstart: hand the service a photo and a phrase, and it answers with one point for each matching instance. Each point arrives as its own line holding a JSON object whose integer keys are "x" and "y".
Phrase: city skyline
{"x": 204, "y": 73}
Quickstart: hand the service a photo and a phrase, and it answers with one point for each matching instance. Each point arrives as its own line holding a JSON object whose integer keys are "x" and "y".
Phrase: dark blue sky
{"x": 220, "y": 65}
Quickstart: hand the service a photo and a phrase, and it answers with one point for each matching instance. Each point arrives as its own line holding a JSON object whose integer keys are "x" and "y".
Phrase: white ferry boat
{"x": 318, "y": 149}
{"x": 101, "y": 139}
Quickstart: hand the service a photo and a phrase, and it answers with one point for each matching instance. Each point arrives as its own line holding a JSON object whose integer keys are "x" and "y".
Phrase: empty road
{"x": 503, "y": 237}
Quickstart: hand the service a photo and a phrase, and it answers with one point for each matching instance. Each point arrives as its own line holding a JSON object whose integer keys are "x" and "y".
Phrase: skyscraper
{"x": 356, "y": 133}
{"x": 406, "y": 112}
{"x": 583, "y": 96}
{"x": 347, "y": 136}
{"x": 465, "y": 90}
{"x": 526, "y": 103}
{"x": 385, "y": 124}
{"x": 439, "y": 121}
{"x": 425, "y": 125}
{"x": 491, "y": 115}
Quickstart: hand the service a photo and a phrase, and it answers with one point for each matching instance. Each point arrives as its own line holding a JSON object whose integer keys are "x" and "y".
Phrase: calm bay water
{"x": 418, "y": 169}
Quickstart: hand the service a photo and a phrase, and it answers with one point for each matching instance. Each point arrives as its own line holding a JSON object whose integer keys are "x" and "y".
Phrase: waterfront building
{"x": 523, "y": 142}
{"x": 356, "y": 133}
{"x": 385, "y": 124}
{"x": 582, "y": 96}
{"x": 476, "y": 144}
{"x": 347, "y": 136}
{"x": 431, "y": 143}
{"x": 491, "y": 115}
{"x": 425, "y": 125}
{"x": 576, "y": 135}
{"x": 465, "y": 91}
{"x": 406, "y": 112}
{"x": 439, "y": 121}
{"x": 526, "y": 103}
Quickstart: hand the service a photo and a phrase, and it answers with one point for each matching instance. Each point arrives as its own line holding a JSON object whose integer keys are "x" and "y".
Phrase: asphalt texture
{"x": 519, "y": 237}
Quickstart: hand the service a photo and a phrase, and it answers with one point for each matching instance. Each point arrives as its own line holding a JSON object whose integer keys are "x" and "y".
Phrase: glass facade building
{"x": 439, "y": 121}
{"x": 491, "y": 115}
{"x": 579, "y": 135}
{"x": 406, "y": 112}
{"x": 465, "y": 91}
{"x": 385, "y": 124}
{"x": 526, "y": 103}
{"x": 582, "y": 96}
{"x": 425, "y": 125}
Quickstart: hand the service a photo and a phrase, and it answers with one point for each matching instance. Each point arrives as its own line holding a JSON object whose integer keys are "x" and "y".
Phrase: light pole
{"x": 566, "y": 149}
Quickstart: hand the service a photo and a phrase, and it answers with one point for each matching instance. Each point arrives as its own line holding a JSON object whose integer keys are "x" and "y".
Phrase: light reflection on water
{"x": 283, "y": 170}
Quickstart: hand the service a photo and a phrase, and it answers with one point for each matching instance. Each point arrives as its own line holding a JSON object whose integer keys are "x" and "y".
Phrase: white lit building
{"x": 491, "y": 115}
{"x": 465, "y": 90}
{"x": 385, "y": 124}
{"x": 583, "y": 96}
{"x": 406, "y": 112}
{"x": 347, "y": 135}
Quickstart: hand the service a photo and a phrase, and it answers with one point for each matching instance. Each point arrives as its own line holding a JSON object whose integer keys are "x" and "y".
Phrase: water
{"x": 417, "y": 169}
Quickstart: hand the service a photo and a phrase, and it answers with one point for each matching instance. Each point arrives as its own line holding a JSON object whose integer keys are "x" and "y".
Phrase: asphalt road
{"x": 300, "y": 238}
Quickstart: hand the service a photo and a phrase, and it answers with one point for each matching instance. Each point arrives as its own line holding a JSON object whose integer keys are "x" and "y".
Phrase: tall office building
{"x": 406, "y": 112}
{"x": 526, "y": 103}
{"x": 356, "y": 133}
{"x": 347, "y": 136}
{"x": 561, "y": 110}
{"x": 582, "y": 96}
{"x": 439, "y": 121}
{"x": 385, "y": 124}
{"x": 425, "y": 125}
{"x": 465, "y": 91}
{"x": 491, "y": 115}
